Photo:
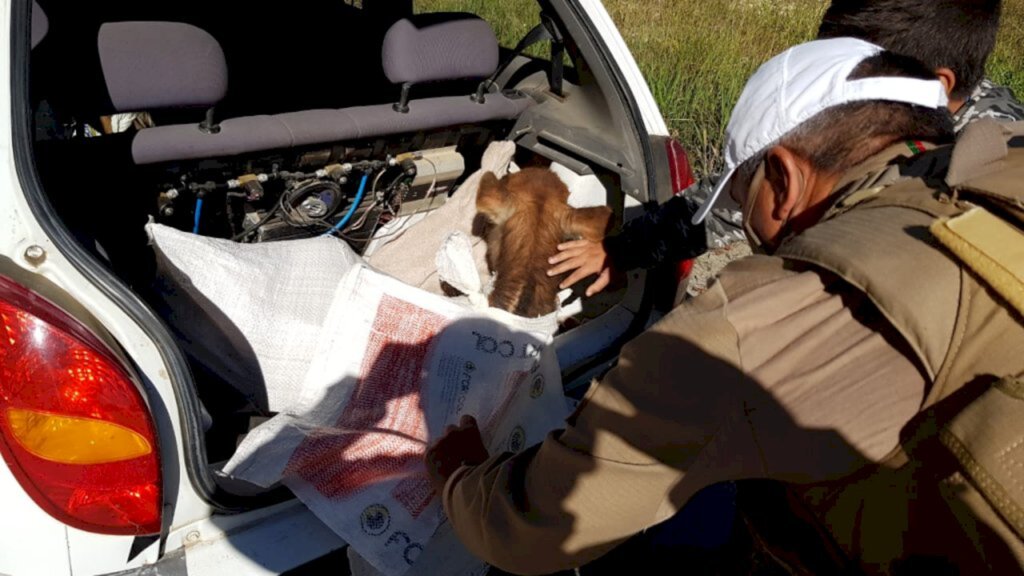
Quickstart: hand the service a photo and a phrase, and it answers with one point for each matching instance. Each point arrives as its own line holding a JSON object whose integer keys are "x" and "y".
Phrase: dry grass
{"x": 697, "y": 54}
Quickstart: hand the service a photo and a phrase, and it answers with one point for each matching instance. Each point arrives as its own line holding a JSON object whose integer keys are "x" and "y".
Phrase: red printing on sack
{"x": 385, "y": 411}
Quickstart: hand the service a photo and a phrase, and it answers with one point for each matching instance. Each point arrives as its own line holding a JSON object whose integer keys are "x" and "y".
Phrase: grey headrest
{"x": 40, "y": 24}
{"x": 439, "y": 47}
{"x": 152, "y": 65}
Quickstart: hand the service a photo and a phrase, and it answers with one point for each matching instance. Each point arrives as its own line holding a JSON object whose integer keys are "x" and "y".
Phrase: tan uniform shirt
{"x": 790, "y": 375}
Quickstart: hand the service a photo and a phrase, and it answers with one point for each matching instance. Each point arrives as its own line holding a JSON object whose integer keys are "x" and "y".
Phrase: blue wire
{"x": 199, "y": 212}
{"x": 352, "y": 210}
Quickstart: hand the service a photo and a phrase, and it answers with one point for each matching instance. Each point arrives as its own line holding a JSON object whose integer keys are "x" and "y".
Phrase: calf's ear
{"x": 588, "y": 223}
{"x": 492, "y": 200}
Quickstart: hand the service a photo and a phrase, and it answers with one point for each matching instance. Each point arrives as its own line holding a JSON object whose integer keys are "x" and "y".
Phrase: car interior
{"x": 258, "y": 126}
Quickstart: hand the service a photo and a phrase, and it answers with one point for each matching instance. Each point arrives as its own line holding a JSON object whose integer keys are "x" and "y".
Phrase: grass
{"x": 1007, "y": 64}
{"x": 697, "y": 54}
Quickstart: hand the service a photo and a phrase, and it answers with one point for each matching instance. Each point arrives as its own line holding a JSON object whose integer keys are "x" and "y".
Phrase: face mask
{"x": 756, "y": 245}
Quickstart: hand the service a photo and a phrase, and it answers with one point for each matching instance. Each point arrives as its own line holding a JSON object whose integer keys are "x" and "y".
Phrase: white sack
{"x": 250, "y": 313}
{"x": 393, "y": 367}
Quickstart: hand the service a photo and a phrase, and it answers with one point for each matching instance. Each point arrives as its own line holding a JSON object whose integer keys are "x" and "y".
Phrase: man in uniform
{"x": 804, "y": 364}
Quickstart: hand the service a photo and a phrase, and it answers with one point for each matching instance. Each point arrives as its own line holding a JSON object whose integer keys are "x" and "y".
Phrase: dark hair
{"x": 841, "y": 137}
{"x": 954, "y": 34}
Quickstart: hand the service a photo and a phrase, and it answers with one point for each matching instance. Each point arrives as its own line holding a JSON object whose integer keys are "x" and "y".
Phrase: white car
{"x": 111, "y": 435}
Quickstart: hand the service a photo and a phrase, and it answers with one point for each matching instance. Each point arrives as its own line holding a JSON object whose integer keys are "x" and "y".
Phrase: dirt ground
{"x": 710, "y": 264}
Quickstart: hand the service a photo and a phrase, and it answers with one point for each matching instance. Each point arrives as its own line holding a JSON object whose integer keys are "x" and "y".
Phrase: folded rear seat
{"x": 159, "y": 65}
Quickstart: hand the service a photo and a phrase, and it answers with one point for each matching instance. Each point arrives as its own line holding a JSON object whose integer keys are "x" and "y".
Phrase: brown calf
{"x": 528, "y": 216}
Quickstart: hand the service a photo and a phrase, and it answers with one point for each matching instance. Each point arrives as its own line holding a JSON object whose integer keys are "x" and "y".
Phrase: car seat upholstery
{"x": 160, "y": 65}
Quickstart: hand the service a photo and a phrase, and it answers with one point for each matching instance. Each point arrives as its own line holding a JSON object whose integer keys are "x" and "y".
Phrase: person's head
{"x": 809, "y": 115}
{"x": 953, "y": 38}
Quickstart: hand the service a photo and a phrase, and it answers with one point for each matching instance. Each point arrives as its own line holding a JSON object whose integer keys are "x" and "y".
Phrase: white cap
{"x": 796, "y": 85}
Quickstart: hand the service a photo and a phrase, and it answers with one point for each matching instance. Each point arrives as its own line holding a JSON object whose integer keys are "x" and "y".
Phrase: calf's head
{"x": 528, "y": 216}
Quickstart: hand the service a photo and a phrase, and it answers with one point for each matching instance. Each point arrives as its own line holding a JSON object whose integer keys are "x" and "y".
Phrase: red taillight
{"x": 681, "y": 176}
{"x": 74, "y": 428}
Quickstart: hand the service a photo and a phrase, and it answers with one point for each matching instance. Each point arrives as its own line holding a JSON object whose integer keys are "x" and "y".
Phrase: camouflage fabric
{"x": 989, "y": 101}
{"x": 724, "y": 224}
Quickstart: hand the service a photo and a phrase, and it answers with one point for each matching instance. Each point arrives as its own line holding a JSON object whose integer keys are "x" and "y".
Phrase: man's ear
{"x": 588, "y": 223}
{"x": 951, "y": 83}
{"x": 492, "y": 200}
{"x": 948, "y": 79}
{"x": 787, "y": 174}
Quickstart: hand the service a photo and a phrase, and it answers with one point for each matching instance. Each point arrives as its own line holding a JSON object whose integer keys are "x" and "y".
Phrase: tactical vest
{"x": 936, "y": 242}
